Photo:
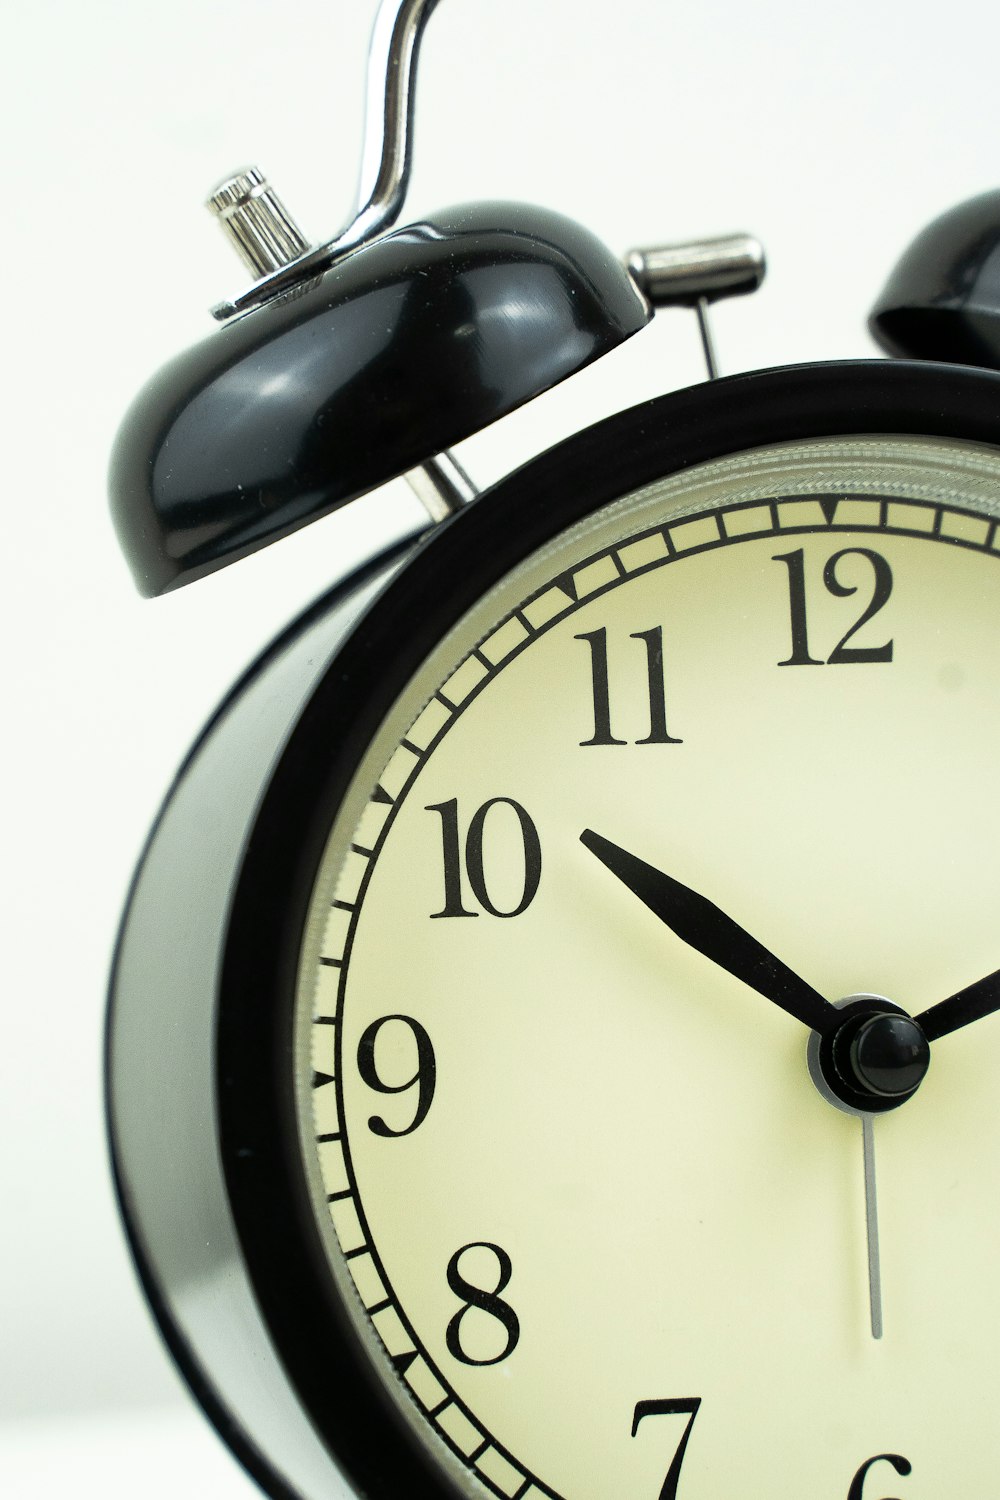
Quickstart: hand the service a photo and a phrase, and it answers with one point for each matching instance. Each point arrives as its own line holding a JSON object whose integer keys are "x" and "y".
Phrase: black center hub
{"x": 875, "y": 1059}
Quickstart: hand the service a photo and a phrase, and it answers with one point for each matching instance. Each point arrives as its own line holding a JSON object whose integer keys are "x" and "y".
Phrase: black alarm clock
{"x": 547, "y": 1051}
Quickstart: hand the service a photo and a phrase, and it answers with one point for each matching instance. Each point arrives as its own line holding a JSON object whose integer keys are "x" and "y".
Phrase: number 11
{"x": 658, "y": 734}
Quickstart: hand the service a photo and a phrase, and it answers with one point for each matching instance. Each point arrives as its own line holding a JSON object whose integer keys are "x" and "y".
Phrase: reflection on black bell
{"x": 943, "y": 299}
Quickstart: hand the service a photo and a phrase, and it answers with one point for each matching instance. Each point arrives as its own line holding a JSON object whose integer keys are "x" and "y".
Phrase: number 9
{"x": 424, "y": 1079}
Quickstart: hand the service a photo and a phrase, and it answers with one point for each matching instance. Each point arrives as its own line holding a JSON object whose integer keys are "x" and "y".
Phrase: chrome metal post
{"x": 696, "y": 274}
{"x": 386, "y": 152}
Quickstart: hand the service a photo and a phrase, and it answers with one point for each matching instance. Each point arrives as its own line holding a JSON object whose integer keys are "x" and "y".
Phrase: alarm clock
{"x": 549, "y": 1037}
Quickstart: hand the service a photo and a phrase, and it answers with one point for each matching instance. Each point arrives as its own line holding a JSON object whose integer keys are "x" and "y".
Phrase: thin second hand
{"x": 871, "y": 1218}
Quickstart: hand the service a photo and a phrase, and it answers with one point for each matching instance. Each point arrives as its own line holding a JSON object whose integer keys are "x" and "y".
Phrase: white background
{"x": 833, "y": 133}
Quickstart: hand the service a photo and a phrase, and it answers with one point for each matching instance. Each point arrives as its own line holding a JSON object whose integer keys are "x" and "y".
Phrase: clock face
{"x": 598, "y": 1215}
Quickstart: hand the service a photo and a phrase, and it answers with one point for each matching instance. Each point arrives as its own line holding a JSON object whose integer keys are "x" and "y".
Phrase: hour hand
{"x": 701, "y": 924}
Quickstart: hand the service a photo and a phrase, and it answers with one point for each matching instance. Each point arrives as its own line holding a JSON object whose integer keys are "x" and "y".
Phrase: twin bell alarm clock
{"x": 553, "y": 1048}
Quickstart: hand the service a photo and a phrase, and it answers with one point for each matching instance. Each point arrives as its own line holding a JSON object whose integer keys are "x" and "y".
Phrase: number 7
{"x": 676, "y": 1407}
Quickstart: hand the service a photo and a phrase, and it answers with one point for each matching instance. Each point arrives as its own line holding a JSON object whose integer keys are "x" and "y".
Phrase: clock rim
{"x": 474, "y": 550}
{"x": 313, "y": 1334}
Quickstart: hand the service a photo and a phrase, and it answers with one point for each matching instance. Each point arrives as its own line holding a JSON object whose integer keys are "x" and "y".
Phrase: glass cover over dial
{"x": 597, "y": 1212}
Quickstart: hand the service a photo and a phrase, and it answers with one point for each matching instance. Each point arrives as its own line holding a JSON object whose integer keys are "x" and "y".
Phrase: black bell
{"x": 397, "y": 351}
{"x": 942, "y": 301}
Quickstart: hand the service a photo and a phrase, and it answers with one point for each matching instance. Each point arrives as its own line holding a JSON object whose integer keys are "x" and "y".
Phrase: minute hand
{"x": 703, "y": 926}
{"x": 971, "y": 1004}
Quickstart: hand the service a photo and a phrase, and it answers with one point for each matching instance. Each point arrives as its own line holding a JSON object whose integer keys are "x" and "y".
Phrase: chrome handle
{"x": 387, "y": 145}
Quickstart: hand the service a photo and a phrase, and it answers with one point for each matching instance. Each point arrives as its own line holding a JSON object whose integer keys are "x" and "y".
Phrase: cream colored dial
{"x": 598, "y": 1224}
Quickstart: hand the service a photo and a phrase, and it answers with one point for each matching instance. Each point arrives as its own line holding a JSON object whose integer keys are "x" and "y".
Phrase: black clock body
{"x": 200, "y": 1045}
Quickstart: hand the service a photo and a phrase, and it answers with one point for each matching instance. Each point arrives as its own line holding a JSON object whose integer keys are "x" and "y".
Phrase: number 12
{"x": 841, "y": 653}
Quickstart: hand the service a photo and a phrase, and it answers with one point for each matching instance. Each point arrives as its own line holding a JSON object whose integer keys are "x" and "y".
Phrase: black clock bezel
{"x": 315, "y": 1337}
